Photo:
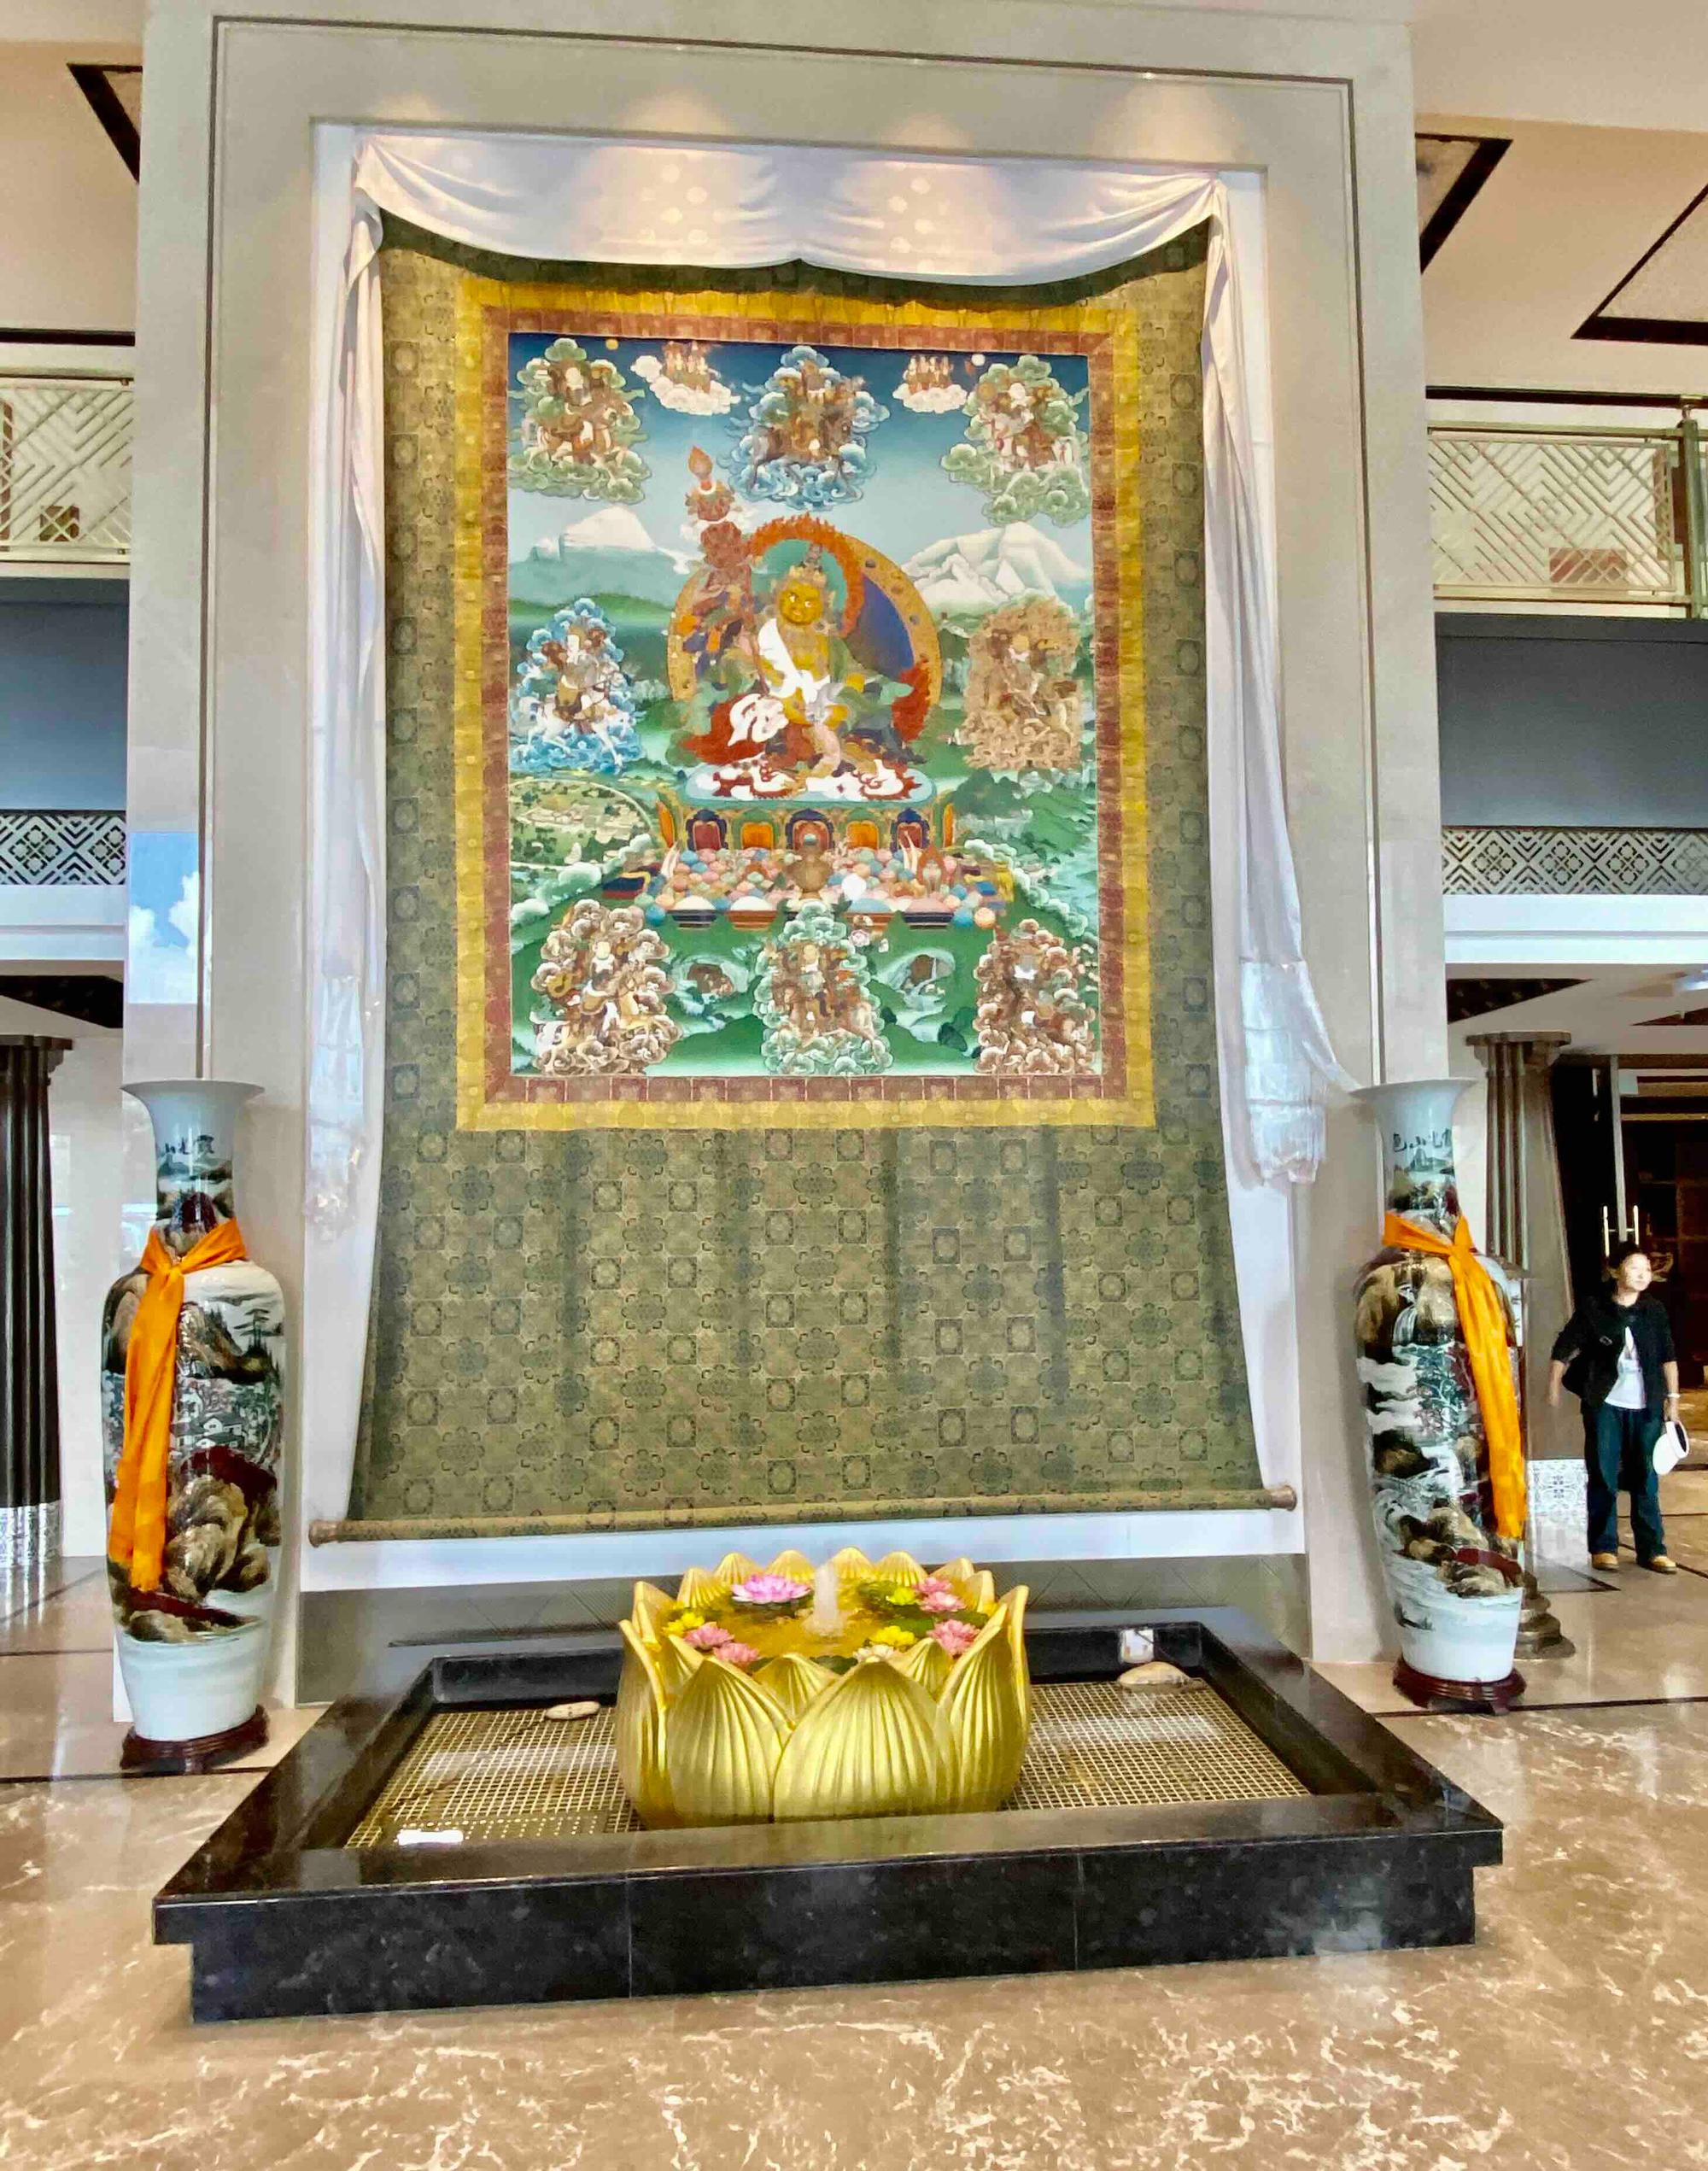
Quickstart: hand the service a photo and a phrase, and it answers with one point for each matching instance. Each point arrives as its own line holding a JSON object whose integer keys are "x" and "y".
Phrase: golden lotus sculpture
{"x": 856, "y": 1688}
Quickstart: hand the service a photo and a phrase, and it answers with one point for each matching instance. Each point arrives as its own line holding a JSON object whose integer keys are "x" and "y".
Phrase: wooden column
{"x": 29, "y": 1356}
{"x": 1525, "y": 1219}
{"x": 1526, "y": 1228}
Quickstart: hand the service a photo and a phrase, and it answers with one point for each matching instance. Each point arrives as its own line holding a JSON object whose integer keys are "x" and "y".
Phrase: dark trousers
{"x": 1618, "y": 1447}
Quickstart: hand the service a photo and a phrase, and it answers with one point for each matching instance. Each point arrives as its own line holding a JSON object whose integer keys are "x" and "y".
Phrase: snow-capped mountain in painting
{"x": 982, "y": 571}
{"x": 609, "y": 552}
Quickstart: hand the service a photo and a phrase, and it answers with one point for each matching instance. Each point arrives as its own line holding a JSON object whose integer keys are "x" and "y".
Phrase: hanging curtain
{"x": 981, "y": 221}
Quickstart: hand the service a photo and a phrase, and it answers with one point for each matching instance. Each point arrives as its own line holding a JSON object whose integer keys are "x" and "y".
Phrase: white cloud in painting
{"x": 710, "y": 396}
{"x": 928, "y": 386}
{"x": 160, "y": 961}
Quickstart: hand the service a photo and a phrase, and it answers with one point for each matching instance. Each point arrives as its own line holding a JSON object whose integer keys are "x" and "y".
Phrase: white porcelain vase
{"x": 1455, "y": 1587}
{"x": 192, "y": 1647}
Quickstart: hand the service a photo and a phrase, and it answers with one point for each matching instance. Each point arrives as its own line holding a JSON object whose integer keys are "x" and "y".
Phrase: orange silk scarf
{"x": 136, "y": 1532}
{"x": 1483, "y": 1320}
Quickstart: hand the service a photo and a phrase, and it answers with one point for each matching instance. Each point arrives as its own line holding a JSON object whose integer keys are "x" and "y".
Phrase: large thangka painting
{"x": 810, "y": 734}
{"x": 801, "y": 1059}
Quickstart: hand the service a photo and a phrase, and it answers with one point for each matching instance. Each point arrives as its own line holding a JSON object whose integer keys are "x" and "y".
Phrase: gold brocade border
{"x": 482, "y": 624}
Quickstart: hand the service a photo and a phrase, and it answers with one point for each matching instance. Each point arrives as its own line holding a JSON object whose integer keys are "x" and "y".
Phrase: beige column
{"x": 1526, "y": 1218}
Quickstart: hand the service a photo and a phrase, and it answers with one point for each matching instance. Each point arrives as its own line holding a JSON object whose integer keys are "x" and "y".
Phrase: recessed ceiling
{"x": 114, "y": 92}
{"x": 1470, "y": 997}
{"x": 1664, "y": 297}
{"x": 1451, "y": 170}
{"x": 96, "y": 998}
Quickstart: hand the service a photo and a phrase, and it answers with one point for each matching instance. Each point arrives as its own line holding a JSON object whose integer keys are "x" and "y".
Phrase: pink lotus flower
{"x": 956, "y": 1637}
{"x": 771, "y": 1590}
{"x": 709, "y": 1638}
{"x": 738, "y": 1654}
{"x": 941, "y": 1601}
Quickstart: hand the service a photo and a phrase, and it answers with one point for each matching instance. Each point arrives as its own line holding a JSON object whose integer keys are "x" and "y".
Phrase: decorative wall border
{"x": 1518, "y": 862}
{"x": 44, "y": 848}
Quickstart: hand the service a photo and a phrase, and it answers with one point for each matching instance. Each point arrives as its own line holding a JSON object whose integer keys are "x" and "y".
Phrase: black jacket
{"x": 1590, "y": 1341}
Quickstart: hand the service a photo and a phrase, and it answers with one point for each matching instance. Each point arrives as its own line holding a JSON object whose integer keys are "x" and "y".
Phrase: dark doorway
{"x": 1666, "y": 1181}
{"x": 1586, "y": 1130}
{"x": 1633, "y": 1143}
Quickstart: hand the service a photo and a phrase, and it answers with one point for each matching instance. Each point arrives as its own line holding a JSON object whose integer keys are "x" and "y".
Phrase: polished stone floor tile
{"x": 1687, "y": 1542}
{"x": 26, "y": 1590}
{"x": 1573, "y": 2037}
{"x": 77, "y": 1618}
{"x": 57, "y": 1718}
{"x": 80, "y": 1843}
{"x": 1684, "y": 1492}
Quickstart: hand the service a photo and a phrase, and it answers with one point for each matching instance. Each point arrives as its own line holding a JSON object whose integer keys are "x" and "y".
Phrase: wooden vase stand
{"x": 206, "y": 1752}
{"x": 1432, "y": 1694}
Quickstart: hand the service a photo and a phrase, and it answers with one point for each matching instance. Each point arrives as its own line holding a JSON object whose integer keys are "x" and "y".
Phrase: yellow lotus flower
{"x": 684, "y": 1622}
{"x": 699, "y": 1741}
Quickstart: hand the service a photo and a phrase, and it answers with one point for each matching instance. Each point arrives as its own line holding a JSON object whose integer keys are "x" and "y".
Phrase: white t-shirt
{"x": 1628, "y": 1391}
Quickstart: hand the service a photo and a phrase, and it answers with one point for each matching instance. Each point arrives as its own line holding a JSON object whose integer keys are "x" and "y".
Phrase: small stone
{"x": 570, "y": 1711}
{"x": 1155, "y": 1673}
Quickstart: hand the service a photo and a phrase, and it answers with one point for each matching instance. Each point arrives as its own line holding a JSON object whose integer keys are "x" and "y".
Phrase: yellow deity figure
{"x": 810, "y": 671}
{"x": 800, "y": 684}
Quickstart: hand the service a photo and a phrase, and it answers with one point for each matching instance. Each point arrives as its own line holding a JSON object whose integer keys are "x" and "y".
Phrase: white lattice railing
{"x": 1597, "y": 516}
{"x": 65, "y": 469}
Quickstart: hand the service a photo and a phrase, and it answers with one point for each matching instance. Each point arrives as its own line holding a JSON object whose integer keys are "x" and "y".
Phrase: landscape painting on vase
{"x": 807, "y": 771}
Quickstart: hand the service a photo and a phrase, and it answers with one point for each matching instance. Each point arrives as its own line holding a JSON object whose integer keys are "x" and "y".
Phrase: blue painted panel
{"x": 1573, "y": 722}
{"x": 62, "y": 650}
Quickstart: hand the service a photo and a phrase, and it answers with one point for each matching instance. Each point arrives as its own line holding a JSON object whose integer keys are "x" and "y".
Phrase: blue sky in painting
{"x": 907, "y": 502}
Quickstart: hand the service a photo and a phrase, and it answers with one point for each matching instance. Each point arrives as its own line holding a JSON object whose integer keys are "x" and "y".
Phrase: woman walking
{"x": 1615, "y": 1355}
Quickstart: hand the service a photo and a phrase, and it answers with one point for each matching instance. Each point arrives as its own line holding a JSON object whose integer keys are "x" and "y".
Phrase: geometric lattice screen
{"x": 1519, "y": 862}
{"x": 65, "y": 469}
{"x": 1521, "y": 515}
{"x": 46, "y": 850}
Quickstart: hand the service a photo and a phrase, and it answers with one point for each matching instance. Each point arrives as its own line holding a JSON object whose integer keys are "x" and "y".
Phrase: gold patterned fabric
{"x": 973, "y": 1307}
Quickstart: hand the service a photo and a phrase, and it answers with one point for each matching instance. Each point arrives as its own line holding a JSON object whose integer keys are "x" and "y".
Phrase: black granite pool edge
{"x": 283, "y": 1919}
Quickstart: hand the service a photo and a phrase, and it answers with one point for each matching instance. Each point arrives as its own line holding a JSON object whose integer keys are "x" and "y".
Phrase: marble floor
{"x": 1573, "y": 2037}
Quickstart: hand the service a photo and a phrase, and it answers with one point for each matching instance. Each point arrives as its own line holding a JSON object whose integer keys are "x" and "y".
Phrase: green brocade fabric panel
{"x": 632, "y": 1329}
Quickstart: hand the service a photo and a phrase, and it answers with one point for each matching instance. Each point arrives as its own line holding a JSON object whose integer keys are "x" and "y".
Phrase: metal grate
{"x": 1094, "y": 1745}
{"x": 503, "y": 1774}
{"x": 517, "y": 1775}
